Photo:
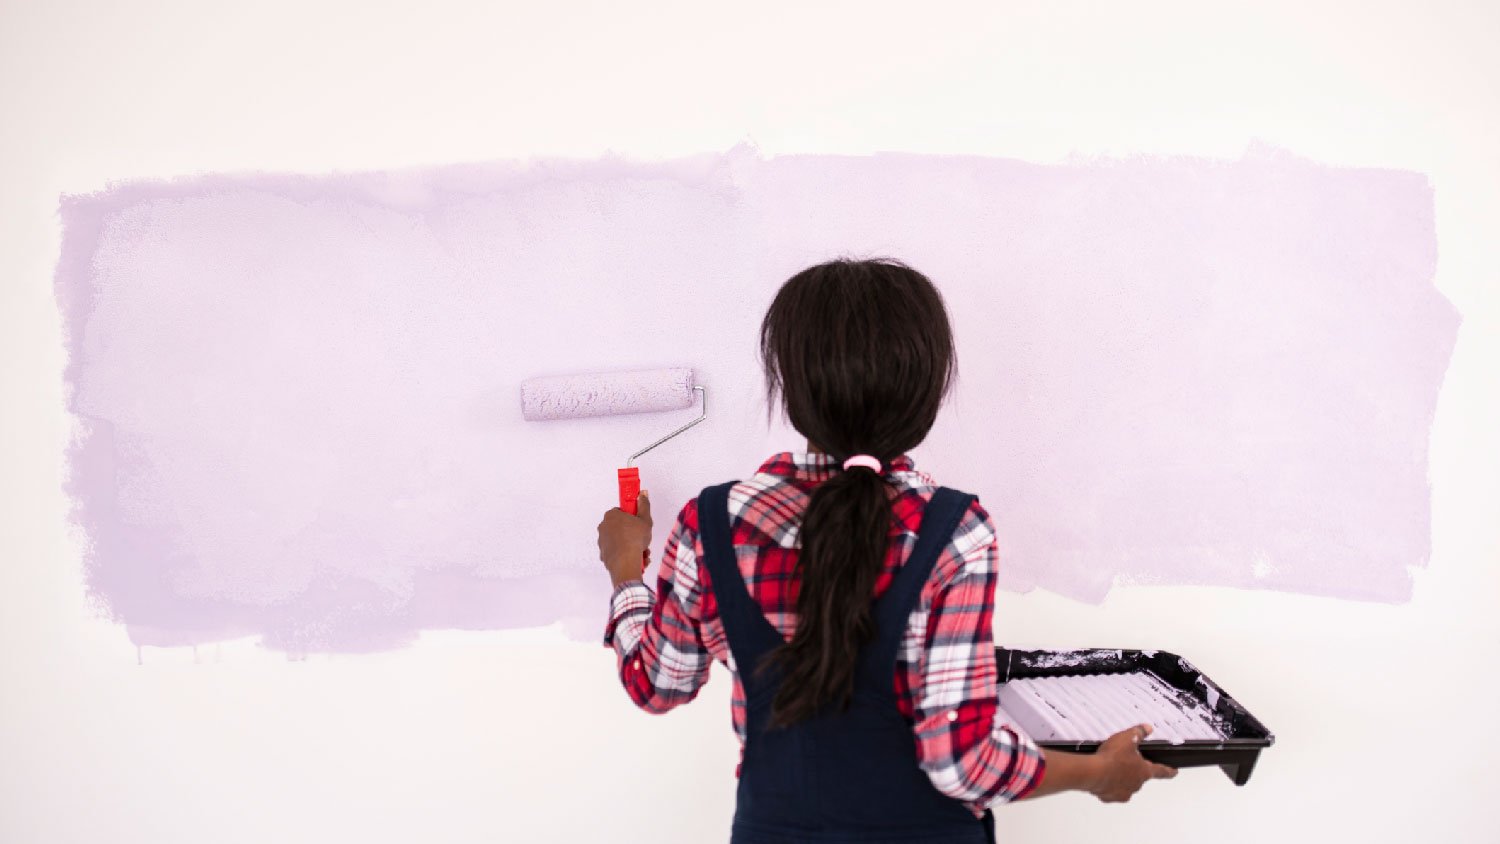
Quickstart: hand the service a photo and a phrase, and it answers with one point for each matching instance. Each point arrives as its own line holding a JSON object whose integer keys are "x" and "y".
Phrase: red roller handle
{"x": 630, "y": 493}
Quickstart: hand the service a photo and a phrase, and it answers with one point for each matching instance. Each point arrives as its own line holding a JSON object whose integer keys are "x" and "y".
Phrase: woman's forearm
{"x": 1066, "y": 772}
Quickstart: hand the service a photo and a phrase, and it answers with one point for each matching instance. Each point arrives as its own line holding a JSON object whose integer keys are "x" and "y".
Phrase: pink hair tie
{"x": 866, "y": 460}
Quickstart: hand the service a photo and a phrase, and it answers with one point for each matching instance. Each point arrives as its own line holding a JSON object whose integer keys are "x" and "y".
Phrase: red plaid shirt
{"x": 945, "y": 671}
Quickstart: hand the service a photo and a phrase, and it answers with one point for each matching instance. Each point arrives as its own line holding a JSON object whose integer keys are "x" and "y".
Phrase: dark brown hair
{"x": 861, "y": 354}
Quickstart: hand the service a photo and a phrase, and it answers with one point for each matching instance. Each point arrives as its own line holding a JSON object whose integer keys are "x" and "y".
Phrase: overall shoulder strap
{"x": 891, "y": 612}
{"x": 751, "y": 636}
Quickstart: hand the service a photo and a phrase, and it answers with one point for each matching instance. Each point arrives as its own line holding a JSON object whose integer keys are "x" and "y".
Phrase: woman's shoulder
{"x": 766, "y": 509}
{"x": 915, "y": 491}
{"x": 976, "y": 529}
{"x": 969, "y": 550}
{"x": 760, "y": 508}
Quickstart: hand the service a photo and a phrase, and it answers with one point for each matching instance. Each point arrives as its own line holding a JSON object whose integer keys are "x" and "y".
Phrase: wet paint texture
{"x": 298, "y": 397}
{"x": 1093, "y": 707}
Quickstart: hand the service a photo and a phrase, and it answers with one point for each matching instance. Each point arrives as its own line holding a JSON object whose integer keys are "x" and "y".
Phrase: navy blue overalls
{"x": 842, "y": 775}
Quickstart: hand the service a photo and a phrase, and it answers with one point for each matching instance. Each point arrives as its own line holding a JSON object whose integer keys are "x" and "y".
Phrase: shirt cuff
{"x": 1030, "y": 761}
{"x": 1037, "y": 775}
{"x": 629, "y": 605}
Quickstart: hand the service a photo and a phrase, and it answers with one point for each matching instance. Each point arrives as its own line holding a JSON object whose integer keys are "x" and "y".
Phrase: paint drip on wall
{"x": 296, "y": 396}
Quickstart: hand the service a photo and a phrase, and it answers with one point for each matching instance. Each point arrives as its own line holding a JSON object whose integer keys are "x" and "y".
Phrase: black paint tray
{"x": 1236, "y": 754}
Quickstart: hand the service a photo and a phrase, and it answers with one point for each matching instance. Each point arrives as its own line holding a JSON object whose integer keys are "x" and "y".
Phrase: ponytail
{"x": 861, "y": 354}
{"x": 845, "y": 532}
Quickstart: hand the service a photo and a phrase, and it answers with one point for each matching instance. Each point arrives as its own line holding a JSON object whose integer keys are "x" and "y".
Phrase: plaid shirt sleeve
{"x": 658, "y": 638}
{"x": 968, "y": 751}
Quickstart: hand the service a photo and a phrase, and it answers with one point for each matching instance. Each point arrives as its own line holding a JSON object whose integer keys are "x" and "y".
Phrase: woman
{"x": 851, "y": 597}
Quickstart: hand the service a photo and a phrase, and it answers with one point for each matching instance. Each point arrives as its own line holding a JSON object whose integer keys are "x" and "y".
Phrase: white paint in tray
{"x": 1092, "y": 707}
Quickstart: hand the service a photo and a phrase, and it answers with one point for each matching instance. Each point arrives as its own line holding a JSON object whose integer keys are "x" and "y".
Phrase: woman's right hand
{"x": 1121, "y": 770}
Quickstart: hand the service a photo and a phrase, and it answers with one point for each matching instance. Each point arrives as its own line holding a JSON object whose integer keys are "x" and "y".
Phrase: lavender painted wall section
{"x": 298, "y": 396}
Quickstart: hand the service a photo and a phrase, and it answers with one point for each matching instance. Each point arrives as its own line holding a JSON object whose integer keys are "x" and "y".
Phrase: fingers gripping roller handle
{"x": 630, "y": 495}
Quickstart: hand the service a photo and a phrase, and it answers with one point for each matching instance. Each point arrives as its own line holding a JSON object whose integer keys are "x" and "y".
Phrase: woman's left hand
{"x": 624, "y": 541}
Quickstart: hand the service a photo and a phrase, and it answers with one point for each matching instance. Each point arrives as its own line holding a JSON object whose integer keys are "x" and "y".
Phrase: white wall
{"x": 444, "y": 741}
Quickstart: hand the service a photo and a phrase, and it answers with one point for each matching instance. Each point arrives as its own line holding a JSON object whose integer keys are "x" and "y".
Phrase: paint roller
{"x": 612, "y": 394}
